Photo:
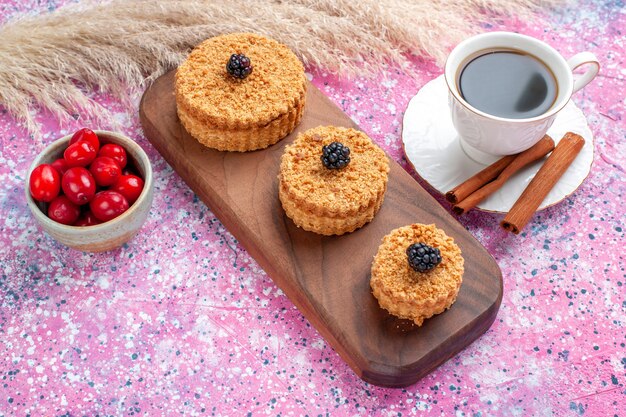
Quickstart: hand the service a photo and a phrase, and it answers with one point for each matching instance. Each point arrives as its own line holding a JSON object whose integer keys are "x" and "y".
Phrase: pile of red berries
{"x": 91, "y": 184}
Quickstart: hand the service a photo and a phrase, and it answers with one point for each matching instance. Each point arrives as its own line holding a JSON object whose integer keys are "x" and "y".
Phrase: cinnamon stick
{"x": 472, "y": 184}
{"x": 548, "y": 175}
{"x": 537, "y": 151}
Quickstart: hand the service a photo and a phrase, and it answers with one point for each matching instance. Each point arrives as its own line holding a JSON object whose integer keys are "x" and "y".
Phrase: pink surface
{"x": 181, "y": 321}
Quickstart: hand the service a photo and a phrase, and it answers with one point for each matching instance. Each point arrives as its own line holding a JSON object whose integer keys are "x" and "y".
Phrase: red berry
{"x": 130, "y": 186}
{"x": 79, "y": 154}
{"x": 62, "y": 210}
{"x": 87, "y": 219}
{"x": 78, "y": 185}
{"x": 45, "y": 183}
{"x": 107, "y": 205}
{"x": 60, "y": 165}
{"x": 116, "y": 152}
{"x": 86, "y": 135}
{"x": 105, "y": 171}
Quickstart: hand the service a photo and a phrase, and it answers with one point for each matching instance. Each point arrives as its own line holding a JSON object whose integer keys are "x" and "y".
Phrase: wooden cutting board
{"x": 327, "y": 278}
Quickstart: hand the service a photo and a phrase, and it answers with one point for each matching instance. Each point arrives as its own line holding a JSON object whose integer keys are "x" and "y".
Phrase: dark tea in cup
{"x": 505, "y": 89}
{"x": 508, "y": 83}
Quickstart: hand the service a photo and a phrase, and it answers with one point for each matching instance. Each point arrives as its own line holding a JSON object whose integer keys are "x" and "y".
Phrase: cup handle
{"x": 584, "y": 58}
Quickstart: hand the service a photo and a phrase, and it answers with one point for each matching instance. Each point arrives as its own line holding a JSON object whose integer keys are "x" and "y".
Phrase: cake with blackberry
{"x": 332, "y": 180}
{"x": 240, "y": 92}
{"x": 417, "y": 272}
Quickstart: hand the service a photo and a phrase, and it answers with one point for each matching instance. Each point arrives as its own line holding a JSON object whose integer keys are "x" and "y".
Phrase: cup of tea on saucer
{"x": 506, "y": 89}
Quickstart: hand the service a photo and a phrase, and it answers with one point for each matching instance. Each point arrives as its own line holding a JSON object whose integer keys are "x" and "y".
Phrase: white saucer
{"x": 432, "y": 146}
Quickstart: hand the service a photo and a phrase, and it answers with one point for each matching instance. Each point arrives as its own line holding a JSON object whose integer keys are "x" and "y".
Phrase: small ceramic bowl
{"x": 104, "y": 236}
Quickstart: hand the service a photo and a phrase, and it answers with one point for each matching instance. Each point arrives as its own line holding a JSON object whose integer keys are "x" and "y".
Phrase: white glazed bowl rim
{"x": 450, "y": 75}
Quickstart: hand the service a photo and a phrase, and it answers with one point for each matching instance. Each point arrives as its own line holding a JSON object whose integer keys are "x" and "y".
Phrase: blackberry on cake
{"x": 335, "y": 155}
{"x": 239, "y": 66}
{"x": 422, "y": 257}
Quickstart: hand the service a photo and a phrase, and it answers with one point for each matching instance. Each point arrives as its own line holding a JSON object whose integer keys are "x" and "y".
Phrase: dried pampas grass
{"x": 119, "y": 45}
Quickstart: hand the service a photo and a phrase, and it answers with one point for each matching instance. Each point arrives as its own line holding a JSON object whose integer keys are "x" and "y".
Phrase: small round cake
{"x": 332, "y": 180}
{"x": 240, "y": 92}
{"x": 417, "y": 272}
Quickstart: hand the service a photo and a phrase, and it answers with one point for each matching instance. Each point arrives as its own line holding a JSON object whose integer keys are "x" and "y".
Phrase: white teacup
{"x": 485, "y": 137}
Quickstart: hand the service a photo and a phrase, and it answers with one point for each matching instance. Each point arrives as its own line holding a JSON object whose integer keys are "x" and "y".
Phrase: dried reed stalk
{"x": 122, "y": 45}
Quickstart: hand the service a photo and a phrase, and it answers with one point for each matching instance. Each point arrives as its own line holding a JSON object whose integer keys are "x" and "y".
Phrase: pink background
{"x": 181, "y": 321}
